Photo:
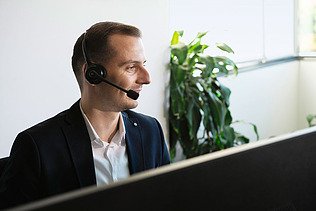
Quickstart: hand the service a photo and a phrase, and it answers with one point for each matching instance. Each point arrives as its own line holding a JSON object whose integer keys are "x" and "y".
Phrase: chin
{"x": 131, "y": 105}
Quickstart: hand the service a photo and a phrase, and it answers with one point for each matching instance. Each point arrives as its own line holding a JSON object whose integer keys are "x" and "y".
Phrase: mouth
{"x": 138, "y": 90}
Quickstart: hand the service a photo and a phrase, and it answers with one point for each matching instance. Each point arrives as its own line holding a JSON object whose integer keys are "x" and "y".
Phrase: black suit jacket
{"x": 55, "y": 156}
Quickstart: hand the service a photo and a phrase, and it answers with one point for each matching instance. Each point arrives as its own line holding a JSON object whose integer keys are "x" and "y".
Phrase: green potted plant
{"x": 199, "y": 115}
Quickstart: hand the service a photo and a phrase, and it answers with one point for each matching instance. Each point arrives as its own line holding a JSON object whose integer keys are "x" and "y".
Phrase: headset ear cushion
{"x": 95, "y": 73}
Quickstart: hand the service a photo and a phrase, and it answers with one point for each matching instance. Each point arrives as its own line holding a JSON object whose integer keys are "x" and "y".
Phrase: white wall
{"x": 307, "y": 94}
{"x": 267, "y": 97}
{"x": 253, "y": 28}
{"x": 36, "y": 42}
{"x": 277, "y": 98}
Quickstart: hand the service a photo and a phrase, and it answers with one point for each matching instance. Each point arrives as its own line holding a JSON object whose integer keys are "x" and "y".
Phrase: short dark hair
{"x": 97, "y": 47}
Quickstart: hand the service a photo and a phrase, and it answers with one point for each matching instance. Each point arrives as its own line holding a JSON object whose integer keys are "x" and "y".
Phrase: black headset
{"x": 95, "y": 72}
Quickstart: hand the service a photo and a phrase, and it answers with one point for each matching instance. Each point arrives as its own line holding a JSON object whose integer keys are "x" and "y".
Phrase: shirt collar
{"x": 118, "y": 139}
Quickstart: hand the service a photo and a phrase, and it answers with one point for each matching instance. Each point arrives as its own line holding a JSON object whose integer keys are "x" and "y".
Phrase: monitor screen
{"x": 272, "y": 174}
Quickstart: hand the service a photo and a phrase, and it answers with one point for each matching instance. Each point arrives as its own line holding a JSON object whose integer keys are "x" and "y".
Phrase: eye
{"x": 131, "y": 68}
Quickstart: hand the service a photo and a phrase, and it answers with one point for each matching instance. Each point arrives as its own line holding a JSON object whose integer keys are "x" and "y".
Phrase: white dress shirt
{"x": 110, "y": 159}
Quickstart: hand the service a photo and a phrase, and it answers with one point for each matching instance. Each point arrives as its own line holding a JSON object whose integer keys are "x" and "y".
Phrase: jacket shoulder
{"x": 135, "y": 115}
{"x": 47, "y": 124}
{"x": 69, "y": 115}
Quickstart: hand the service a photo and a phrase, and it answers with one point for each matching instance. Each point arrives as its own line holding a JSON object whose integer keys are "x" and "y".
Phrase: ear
{"x": 83, "y": 74}
{"x": 84, "y": 68}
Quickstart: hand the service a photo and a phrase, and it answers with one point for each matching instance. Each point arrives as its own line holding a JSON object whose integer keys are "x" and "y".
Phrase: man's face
{"x": 127, "y": 69}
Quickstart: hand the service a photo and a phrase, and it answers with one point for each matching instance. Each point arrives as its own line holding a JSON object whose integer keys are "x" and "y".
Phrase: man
{"x": 98, "y": 140}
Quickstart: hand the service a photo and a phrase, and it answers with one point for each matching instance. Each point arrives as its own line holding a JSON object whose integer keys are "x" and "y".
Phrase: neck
{"x": 104, "y": 122}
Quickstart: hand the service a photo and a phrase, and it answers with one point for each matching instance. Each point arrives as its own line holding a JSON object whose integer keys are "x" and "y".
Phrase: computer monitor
{"x": 272, "y": 174}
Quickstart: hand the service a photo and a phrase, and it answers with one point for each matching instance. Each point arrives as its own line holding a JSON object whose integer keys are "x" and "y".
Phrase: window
{"x": 306, "y": 26}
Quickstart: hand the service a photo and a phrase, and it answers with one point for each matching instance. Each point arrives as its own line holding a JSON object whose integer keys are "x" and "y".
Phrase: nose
{"x": 143, "y": 76}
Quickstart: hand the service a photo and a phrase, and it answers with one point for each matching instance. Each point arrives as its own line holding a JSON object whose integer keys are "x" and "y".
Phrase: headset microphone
{"x": 96, "y": 73}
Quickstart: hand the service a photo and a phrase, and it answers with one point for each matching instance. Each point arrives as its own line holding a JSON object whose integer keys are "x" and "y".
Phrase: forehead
{"x": 127, "y": 47}
{"x": 121, "y": 38}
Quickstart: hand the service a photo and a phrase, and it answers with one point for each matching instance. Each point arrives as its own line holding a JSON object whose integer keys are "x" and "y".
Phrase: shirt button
{"x": 135, "y": 124}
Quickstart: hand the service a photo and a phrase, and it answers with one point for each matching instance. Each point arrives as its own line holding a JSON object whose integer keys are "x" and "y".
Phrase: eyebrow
{"x": 130, "y": 62}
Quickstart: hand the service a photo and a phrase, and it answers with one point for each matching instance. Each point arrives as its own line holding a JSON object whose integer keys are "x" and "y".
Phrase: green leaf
{"x": 179, "y": 51}
{"x": 255, "y": 129}
{"x": 176, "y": 37}
{"x": 221, "y": 62}
{"x": 201, "y": 34}
{"x": 225, "y": 94}
{"x": 310, "y": 119}
{"x": 181, "y": 32}
{"x": 228, "y": 118}
{"x": 197, "y": 39}
{"x": 192, "y": 61}
{"x": 178, "y": 106}
{"x": 224, "y": 47}
{"x": 177, "y": 102}
{"x": 229, "y": 135}
{"x": 219, "y": 142}
{"x": 240, "y": 139}
{"x": 172, "y": 152}
{"x": 208, "y": 61}
{"x": 217, "y": 110}
{"x": 194, "y": 118}
{"x": 178, "y": 74}
{"x": 194, "y": 47}
{"x": 207, "y": 118}
{"x": 204, "y": 147}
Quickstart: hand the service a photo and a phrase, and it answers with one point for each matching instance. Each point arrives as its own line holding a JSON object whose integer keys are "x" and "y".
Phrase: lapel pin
{"x": 135, "y": 124}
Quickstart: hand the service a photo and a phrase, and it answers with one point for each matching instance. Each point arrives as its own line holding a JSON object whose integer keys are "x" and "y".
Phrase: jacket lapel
{"x": 80, "y": 149}
{"x": 134, "y": 144}
{"x": 80, "y": 146}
